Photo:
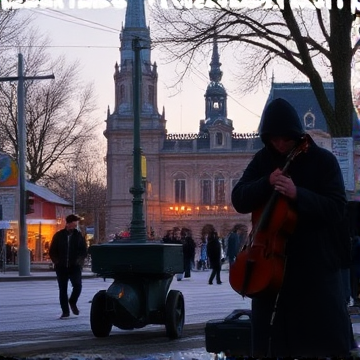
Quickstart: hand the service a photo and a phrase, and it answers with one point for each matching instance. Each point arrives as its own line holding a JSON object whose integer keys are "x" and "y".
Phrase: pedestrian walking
{"x": 307, "y": 317}
{"x": 214, "y": 255}
{"x": 174, "y": 237}
{"x": 188, "y": 251}
{"x": 68, "y": 252}
{"x": 234, "y": 243}
{"x": 203, "y": 259}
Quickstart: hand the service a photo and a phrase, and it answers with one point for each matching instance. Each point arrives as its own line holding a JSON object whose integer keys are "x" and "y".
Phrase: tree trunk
{"x": 341, "y": 58}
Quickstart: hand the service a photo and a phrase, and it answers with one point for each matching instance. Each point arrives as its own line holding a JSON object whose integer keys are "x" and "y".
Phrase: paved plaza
{"x": 30, "y": 304}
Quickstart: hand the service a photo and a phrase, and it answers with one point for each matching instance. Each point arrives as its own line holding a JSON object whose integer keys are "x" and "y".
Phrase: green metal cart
{"x": 139, "y": 294}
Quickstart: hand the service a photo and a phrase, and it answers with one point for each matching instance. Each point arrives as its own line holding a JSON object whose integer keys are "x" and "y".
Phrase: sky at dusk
{"x": 95, "y": 43}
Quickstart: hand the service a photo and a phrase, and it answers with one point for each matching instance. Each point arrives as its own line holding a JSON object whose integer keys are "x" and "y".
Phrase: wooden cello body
{"x": 259, "y": 266}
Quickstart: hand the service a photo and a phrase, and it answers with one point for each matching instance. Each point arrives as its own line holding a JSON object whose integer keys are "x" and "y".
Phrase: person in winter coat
{"x": 214, "y": 255}
{"x": 68, "y": 252}
{"x": 189, "y": 247}
{"x": 234, "y": 242}
{"x": 308, "y": 317}
{"x": 203, "y": 260}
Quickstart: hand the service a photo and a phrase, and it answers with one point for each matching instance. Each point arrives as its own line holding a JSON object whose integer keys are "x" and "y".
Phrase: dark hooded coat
{"x": 311, "y": 319}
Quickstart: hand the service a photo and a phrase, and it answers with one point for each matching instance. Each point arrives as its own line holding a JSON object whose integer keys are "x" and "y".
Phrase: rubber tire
{"x": 100, "y": 322}
{"x": 174, "y": 314}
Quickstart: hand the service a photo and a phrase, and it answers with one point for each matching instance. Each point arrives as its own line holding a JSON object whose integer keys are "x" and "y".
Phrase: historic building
{"x": 189, "y": 177}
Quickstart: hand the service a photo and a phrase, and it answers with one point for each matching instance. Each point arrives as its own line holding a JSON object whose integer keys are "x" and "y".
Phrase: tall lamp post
{"x": 137, "y": 227}
{"x": 142, "y": 270}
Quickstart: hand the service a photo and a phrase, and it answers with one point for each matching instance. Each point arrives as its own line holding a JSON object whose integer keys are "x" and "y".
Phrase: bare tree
{"x": 316, "y": 42}
{"x": 85, "y": 183}
{"x": 58, "y": 112}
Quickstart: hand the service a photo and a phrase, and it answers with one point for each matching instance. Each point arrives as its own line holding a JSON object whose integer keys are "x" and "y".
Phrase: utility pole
{"x": 23, "y": 251}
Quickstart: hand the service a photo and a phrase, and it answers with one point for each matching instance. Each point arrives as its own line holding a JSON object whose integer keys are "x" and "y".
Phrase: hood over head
{"x": 280, "y": 119}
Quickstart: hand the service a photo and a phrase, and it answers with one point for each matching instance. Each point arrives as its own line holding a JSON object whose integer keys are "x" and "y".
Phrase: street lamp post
{"x": 137, "y": 227}
{"x": 142, "y": 270}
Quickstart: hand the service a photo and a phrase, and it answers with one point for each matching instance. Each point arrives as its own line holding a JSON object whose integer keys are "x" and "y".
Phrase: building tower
{"x": 120, "y": 123}
{"x": 215, "y": 96}
{"x": 216, "y": 123}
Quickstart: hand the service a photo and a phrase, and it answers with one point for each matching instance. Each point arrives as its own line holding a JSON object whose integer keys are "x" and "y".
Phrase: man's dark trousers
{"x": 63, "y": 276}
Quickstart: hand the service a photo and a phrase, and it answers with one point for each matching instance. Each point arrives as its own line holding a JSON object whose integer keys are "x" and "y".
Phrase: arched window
{"x": 219, "y": 189}
{"x": 205, "y": 190}
{"x": 180, "y": 189}
{"x": 122, "y": 93}
{"x": 151, "y": 94}
{"x": 219, "y": 138}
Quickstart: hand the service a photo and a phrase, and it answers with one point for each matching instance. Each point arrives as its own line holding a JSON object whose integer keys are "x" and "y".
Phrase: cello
{"x": 259, "y": 266}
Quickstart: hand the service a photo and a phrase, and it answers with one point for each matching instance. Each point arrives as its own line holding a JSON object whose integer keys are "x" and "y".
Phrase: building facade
{"x": 189, "y": 177}
{"x": 45, "y": 214}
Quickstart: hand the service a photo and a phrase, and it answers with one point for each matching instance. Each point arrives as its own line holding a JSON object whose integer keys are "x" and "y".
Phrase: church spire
{"x": 215, "y": 73}
{"x": 135, "y": 26}
{"x": 215, "y": 96}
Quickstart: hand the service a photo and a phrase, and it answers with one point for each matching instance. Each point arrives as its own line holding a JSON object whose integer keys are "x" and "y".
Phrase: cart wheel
{"x": 174, "y": 314}
{"x": 100, "y": 322}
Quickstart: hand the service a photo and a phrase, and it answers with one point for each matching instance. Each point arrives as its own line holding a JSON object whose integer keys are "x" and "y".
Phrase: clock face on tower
{"x": 8, "y": 171}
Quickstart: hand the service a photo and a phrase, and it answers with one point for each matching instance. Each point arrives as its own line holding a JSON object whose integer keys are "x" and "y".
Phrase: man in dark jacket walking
{"x": 306, "y": 317}
{"x": 214, "y": 255}
{"x": 68, "y": 252}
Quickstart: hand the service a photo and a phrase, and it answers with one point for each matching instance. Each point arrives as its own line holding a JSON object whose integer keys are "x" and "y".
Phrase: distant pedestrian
{"x": 68, "y": 252}
{"x": 214, "y": 255}
{"x": 8, "y": 252}
{"x": 188, "y": 251}
{"x": 234, "y": 242}
{"x": 168, "y": 238}
{"x": 202, "y": 264}
{"x": 174, "y": 237}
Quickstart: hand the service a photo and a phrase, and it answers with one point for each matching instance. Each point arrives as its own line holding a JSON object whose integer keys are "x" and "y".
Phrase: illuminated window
{"x": 180, "y": 191}
{"x": 205, "y": 192}
{"x": 219, "y": 189}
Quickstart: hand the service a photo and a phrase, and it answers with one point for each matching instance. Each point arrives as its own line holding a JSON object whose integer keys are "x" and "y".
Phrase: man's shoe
{"x": 74, "y": 309}
{"x": 64, "y": 316}
{"x": 210, "y": 283}
{"x": 219, "y": 282}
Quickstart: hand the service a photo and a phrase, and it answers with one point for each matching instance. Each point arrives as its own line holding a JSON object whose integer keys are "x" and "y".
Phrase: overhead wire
{"x": 84, "y": 20}
{"x": 102, "y": 27}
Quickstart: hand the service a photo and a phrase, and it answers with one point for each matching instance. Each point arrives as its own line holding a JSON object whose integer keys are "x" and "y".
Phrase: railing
{"x": 188, "y": 136}
{"x": 193, "y": 136}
